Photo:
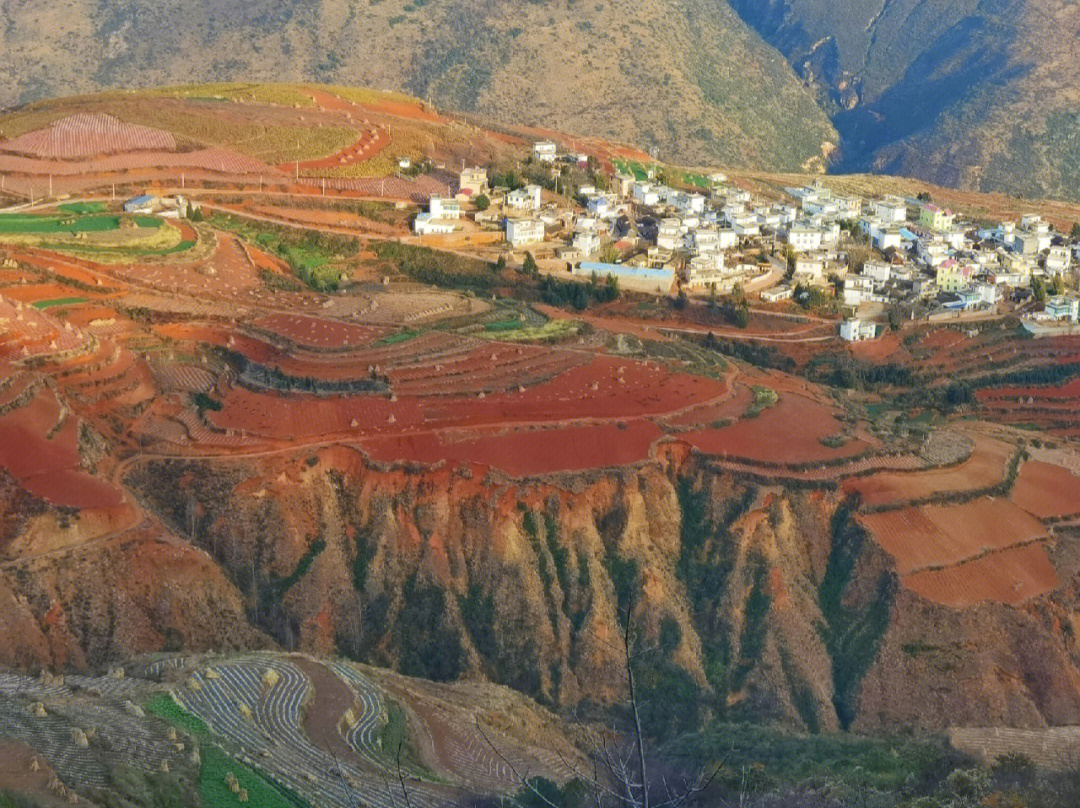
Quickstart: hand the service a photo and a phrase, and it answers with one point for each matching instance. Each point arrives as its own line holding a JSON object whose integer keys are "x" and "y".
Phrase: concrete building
{"x": 857, "y": 330}
{"x": 523, "y": 232}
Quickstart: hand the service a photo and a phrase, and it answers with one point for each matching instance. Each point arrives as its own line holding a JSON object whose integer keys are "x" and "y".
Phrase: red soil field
{"x": 592, "y": 390}
{"x": 219, "y": 161}
{"x": 316, "y": 332}
{"x": 731, "y": 407}
{"x": 49, "y": 467}
{"x": 416, "y": 190}
{"x": 88, "y": 135}
{"x": 1046, "y": 490}
{"x": 985, "y": 468}
{"x": 789, "y": 432}
{"x": 941, "y": 535}
{"x": 1064, "y": 392}
{"x": 526, "y": 452}
{"x": 1010, "y": 576}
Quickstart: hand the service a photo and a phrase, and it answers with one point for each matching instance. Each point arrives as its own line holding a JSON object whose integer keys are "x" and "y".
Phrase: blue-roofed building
{"x": 141, "y": 204}
{"x": 642, "y": 279}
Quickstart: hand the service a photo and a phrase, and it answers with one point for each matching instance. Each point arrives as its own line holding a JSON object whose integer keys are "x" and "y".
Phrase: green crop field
{"x": 81, "y": 208}
{"x": 29, "y": 223}
{"x": 58, "y": 301}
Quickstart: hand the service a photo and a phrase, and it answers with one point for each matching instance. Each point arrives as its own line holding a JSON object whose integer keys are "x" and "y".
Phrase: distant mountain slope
{"x": 686, "y": 76}
{"x": 982, "y": 94}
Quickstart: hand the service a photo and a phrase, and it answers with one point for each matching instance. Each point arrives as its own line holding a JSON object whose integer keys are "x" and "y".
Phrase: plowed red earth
{"x": 984, "y": 469}
{"x": 49, "y": 467}
{"x": 1011, "y": 577}
{"x": 526, "y": 452}
{"x": 788, "y": 433}
{"x": 1047, "y": 490}
{"x": 943, "y": 535}
{"x": 315, "y": 332}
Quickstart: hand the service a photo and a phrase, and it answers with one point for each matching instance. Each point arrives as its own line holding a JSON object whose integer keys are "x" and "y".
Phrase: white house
{"x": 887, "y": 237}
{"x": 669, "y": 235}
{"x": 778, "y": 293}
{"x": 1058, "y": 260}
{"x": 545, "y": 150}
{"x": 645, "y": 193}
{"x": 811, "y": 266}
{"x": 880, "y": 271}
{"x": 858, "y": 289}
{"x": 891, "y": 210}
{"x": 1030, "y": 242}
{"x": 857, "y": 330}
{"x": 524, "y": 199}
{"x": 473, "y": 181}
{"x": 427, "y": 225}
{"x": 522, "y": 232}
{"x": 1063, "y": 308}
{"x": 587, "y": 242}
{"x": 804, "y": 239}
{"x": 442, "y": 208}
{"x": 704, "y": 270}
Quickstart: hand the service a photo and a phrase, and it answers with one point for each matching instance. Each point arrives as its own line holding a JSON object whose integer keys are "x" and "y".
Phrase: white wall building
{"x": 522, "y": 232}
{"x": 545, "y": 150}
{"x": 525, "y": 199}
{"x": 857, "y": 330}
{"x": 443, "y": 208}
{"x": 803, "y": 238}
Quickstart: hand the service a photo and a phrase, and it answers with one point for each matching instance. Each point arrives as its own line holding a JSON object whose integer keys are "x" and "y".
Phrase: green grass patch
{"x": 504, "y": 325}
{"x": 165, "y": 706}
{"x": 551, "y": 331}
{"x": 32, "y": 223}
{"x": 81, "y": 208}
{"x": 785, "y": 758}
{"x": 399, "y": 337}
{"x": 58, "y": 301}
{"x": 764, "y": 397}
{"x": 262, "y": 792}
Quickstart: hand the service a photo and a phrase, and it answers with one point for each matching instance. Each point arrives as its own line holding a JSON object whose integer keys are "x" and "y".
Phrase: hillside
{"x": 964, "y": 93}
{"x": 690, "y": 79}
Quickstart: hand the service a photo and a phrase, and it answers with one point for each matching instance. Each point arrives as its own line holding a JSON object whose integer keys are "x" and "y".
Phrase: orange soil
{"x": 941, "y": 535}
{"x": 1011, "y": 577}
{"x": 985, "y": 468}
{"x": 526, "y": 452}
{"x": 1046, "y": 490}
{"x": 787, "y": 433}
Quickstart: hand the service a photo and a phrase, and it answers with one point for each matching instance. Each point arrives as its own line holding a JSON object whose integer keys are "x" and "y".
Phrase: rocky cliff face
{"x": 758, "y": 602}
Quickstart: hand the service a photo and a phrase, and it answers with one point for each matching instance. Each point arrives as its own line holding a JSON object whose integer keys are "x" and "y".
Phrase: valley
{"x": 347, "y": 445}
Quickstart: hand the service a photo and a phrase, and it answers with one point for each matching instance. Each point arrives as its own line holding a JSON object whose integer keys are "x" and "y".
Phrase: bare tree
{"x": 620, "y": 775}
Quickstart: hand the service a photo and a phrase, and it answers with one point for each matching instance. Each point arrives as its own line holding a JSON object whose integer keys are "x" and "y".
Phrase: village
{"x": 872, "y": 263}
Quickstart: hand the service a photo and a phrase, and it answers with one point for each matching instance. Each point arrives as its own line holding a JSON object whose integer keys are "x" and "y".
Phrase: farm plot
{"x": 1046, "y": 490}
{"x": 420, "y": 189}
{"x": 985, "y": 468}
{"x": 60, "y": 728}
{"x": 257, "y": 705}
{"x": 316, "y": 332}
{"x": 935, "y": 536}
{"x": 523, "y": 453}
{"x": 27, "y": 332}
{"x": 1011, "y": 576}
{"x": 39, "y": 446}
{"x": 215, "y": 161}
{"x": 88, "y": 135}
{"x": 796, "y": 430}
{"x": 181, "y": 377}
{"x": 1048, "y": 747}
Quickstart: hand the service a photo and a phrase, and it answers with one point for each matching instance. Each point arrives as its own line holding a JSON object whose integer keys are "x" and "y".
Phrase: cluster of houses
{"x": 658, "y": 238}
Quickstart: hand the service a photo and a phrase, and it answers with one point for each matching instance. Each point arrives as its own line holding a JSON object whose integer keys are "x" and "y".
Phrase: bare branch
{"x": 523, "y": 780}
{"x": 401, "y": 777}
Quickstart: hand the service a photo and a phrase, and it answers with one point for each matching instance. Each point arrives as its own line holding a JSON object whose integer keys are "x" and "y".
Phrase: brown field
{"x": 984, "y": 469}
{"x": 1010, "y": 576}
{"x": 935, "y": 536}
{"x": 1046, "y": 490}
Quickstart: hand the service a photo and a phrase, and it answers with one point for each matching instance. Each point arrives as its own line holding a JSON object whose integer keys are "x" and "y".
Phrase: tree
{"x": 609, "y": 253}
{"x": 1057, "y": 285}
{"x": 500, "y": 264}
{"x": 894, "y": 318}
{"x": 529, "y": 266}
{"x": 712, "y": 295}
{"x": 1038, "y": 289}
{"x": 622, "y": 765}
{"x": 482, "y": 202}
{"x": 1074, "y": 234}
